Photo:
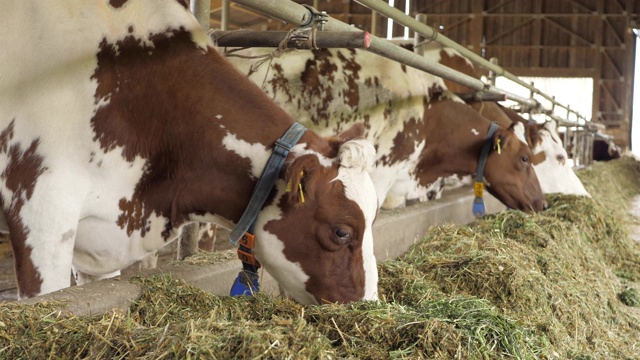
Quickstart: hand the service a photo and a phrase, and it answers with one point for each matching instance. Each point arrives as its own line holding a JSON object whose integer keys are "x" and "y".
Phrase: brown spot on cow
{"x": 5, "y": 136}
{"x": 132, "y": 215}
{"x": 117, "y": 3}
{"x": 351, "y": 68}
{"x": 134, "y": 117}
{"x": 404, "y": 143}
{"x": 24, "y": 168}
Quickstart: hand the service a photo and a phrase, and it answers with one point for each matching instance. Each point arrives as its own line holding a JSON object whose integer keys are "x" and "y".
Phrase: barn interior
{"x": 564, "y": 283}
{"x": 593, "y": 40}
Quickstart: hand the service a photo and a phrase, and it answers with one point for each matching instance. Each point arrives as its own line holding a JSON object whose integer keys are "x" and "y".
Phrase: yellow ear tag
{"x": 499, "y": 147}
{"x": 300, "y": 187}
{"x": 288, "y": 187}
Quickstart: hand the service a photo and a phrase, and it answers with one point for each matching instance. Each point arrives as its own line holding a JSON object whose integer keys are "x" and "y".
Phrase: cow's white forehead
{"x": 518, "y": 129}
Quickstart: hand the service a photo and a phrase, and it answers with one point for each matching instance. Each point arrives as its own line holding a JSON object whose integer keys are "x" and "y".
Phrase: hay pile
{"x": 558, "y": 284}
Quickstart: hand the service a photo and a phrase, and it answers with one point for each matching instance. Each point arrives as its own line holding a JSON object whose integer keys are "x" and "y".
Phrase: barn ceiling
{"x": 546, "y": 38}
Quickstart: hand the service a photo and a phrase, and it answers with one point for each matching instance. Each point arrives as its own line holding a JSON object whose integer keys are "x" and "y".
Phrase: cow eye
{"x": 341, "y": 234}
{"x": 524, "y": 159}
{"x": 560, "y": 157}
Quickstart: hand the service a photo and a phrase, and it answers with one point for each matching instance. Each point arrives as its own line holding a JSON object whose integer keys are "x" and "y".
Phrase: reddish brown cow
{"x": 120, "y": 124}
{"x": 422, "y": 133}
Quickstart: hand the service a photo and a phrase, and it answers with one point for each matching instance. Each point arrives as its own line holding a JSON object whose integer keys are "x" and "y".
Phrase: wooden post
{"x": 597, "y": 61}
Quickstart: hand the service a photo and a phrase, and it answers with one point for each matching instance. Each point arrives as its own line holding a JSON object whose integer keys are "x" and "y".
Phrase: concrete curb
{"x": 394, "y": 232}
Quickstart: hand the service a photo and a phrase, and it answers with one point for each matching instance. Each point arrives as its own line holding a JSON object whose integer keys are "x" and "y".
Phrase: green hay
{"x": 559, "y": 284}
{"x": 630, "y": 297}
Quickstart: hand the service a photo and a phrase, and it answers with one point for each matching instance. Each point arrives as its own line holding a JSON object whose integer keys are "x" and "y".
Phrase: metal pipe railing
{"x": 300, "y": 15}
{"x": 297, "y": 14}
{"x": 428, "y": 32}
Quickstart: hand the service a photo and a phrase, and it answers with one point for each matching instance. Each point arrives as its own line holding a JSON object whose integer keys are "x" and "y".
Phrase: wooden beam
{"x": 610, "y": 94}
{"x": 613, "y": 30}
{"x": 477, "y": 26}
{"x": 527, "y": 14}
{"x": 537, "y": 32}
{"x": 499, "y": 5}
{"x": 631, "y": 51}
{"x": 552, "y": 72}
{"x": 568, "y": 31}
{"x": 450, "y": 27}
{"x": 597, "y": 84}
{"x": 613, "y": 64}
{"x": 431, "y": 6}
{"x": 509, "y": 31}
{"x": 548, "y": 47}
{"x": 584, "y": 7}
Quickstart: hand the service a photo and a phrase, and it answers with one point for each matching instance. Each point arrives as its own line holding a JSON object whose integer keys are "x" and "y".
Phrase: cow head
{"x": 509, "y": 171}
{"x": 550, "y": 161}
{"x": 316, "y": 238}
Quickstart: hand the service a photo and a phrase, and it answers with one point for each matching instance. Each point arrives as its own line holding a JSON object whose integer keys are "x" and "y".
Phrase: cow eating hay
{"x": 509, "y": 286}
{"x": 120, "y": 124}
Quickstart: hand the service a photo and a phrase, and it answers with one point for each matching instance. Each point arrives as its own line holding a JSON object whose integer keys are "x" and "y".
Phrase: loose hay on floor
{"x": 545, "y": 286}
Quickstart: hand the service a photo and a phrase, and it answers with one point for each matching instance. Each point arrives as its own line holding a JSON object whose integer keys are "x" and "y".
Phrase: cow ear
{"x": 532, "y": 134}
{"x": 501, "y": 138}
{"x": 298, "y": 173}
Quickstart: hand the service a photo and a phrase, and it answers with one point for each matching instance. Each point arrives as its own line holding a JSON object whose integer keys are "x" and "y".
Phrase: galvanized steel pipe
{"x": 428, "y": 32}
{"x": 299, "y": 15}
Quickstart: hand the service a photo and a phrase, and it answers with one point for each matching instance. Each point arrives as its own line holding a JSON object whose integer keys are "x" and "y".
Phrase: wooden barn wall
{"x": 547, "y": 38}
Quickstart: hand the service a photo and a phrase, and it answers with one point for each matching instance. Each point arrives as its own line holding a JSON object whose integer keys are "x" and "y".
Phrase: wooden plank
{"x": 583, "y": 7}
{"x": 568, "y": 31}
{"x": 552, "y": 72}
{"x": 597, "y": 84}
{"x": 498, "y": 6}
{"x": 509, "y": 31}
{"x": 477, "y": 26}
{"x": 536, "y": 34}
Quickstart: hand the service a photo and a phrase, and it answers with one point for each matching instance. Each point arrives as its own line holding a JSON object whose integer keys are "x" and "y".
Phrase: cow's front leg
{"x": 42, "y": 256}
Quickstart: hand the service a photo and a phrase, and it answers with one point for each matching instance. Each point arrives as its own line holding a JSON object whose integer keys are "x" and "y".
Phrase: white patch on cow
{"x": 218, "y": 116}
{"x": 256, "y": 153}
{"x": 475, "y": 132}
{"x": 556, "y": 176}
{"x": 454, "y": 53}
{"x": 300, "y": 149}
{"x": 269, "y": 247}
{"x": 359, "y": 188}
{"x": 519, "y": 130}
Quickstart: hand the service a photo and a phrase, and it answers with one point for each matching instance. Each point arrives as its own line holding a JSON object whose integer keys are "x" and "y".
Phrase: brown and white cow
{"x": 550, "y": 158}
{"x": 422, "y": 133}
{"x": 120, "y": 123}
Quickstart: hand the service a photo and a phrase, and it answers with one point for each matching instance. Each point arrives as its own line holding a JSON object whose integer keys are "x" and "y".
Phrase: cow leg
{"x": 43, "y": 253}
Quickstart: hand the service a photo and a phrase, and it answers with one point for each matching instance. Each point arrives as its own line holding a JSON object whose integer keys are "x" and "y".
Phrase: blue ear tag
{"x": 478, "y": 207}
{"x": 246, "y": 284}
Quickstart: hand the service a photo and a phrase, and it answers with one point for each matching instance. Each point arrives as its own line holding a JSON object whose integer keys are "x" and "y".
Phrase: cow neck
{"x": 266, "y": 181}
{"x": 478, "y": 186}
